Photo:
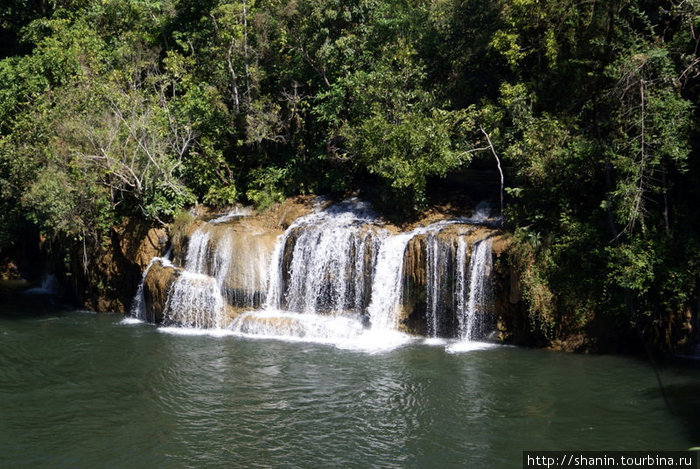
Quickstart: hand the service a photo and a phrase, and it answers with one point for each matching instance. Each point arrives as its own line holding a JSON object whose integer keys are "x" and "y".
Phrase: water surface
{"x": 87, "y": 390}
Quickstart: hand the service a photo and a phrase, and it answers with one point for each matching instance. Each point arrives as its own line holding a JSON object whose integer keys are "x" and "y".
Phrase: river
{"x": 91, "y": 390}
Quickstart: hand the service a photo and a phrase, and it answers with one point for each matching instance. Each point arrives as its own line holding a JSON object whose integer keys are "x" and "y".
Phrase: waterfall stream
{"x": 335, "y": 275}
{"x": 479, "y": 291}
{"x": 387, "y": 285}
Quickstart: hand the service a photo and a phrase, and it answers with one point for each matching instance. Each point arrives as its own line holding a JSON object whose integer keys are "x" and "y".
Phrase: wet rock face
{"x": 114, "y": 269}
{"x": 511, "y": 322}
{"x": 156, "y": 286}
{"x": 240, "y": 262}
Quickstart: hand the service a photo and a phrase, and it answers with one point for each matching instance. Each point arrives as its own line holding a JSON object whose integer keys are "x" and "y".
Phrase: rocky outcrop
{"x": 104, "y": 276}
{"x": 156, "y": 286}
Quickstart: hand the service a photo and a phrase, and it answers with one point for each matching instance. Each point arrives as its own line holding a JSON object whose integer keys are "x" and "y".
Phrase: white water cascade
{"x": 387, "y": 283}
{"x": 195, "y": 300}
{"x": 480, "y": 295}
{"x": 324, "y": 261}
{"x": 138, "y": 306}
{"x": 237, "y": 258}
{"x": 336, "y": 275}
{"x": 320, "y": 281}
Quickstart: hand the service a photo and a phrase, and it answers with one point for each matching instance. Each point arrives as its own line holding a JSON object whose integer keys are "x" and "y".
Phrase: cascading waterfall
{"x": 335, "y": 274}
{"x": 479, "y": 291}
{"x": 320, "y": 275}
{"x": 440, "y": 260}
{"x": 138, "y": 307}
{"x": 323, "y": 259}
{"x": 386, "y": 285}
{"x": 195, "y": 300}
{"x": 461, "y": 287}
{"x": 230, "y": 266}
{"x": 197, "y": 251}
{"x": 433, "y": 268}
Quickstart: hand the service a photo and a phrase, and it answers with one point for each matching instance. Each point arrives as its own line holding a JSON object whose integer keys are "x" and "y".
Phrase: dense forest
{"x": 141, "y": 108}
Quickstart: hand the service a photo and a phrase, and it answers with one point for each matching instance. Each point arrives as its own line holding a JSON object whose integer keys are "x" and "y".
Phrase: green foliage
{"x": 264, "y": 189}
{"x": 50, "y": 202}
{"x": 405, "y": 149}
{"x": 221, "y": 196}
{"x": 532, "y": 262}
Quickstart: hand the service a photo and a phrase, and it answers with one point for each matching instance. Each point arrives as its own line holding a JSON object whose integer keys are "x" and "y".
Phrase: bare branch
{"x": 498, "y": 162}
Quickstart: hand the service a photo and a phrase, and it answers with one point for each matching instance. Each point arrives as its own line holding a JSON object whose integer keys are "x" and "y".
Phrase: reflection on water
{"x": 81, "y": 390}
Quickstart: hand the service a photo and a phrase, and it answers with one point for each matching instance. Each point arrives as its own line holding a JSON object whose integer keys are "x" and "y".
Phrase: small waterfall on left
{"x": 225, "y": 269}
{"x": 195, "y": 300}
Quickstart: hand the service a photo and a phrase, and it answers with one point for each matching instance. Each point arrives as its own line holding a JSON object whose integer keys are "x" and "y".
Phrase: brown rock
{"x": 156, "y": 286}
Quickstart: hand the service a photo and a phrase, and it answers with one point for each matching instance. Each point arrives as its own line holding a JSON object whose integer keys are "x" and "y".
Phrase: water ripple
{"x": 85, "y": 391}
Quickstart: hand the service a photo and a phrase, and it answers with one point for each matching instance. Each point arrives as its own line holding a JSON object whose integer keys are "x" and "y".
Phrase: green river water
{"x": 88, "y": 390}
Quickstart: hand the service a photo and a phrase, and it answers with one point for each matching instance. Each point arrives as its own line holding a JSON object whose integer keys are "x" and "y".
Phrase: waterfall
{"x": 235, "y": 257}
{"x": 479, "y": 291}
{"x": 440, "y": 259}
{"x": 274, "y": 285}
{"x": 432, "y": 255}
{"x": 387, "y": 285}
{"x": 138, "y": 304}
{"x": 49, "y": 286}
{"x": 320, "y": 264}
{"x": 195, "y": 300}
{"x": 461, "y": 287}
{"x": 335, "y": 274}
{"x": 197, "y": 251}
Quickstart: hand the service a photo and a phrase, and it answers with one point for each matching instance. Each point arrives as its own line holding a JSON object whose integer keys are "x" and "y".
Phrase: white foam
{"x": 464, "y": 346}
{"x": 195, "y": 331}
{"x": 342, "y": 331}
{"x": 130, "y": 321}
{"x": 435, "y": 341}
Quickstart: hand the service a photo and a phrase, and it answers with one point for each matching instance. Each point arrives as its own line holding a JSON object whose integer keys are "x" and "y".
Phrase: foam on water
{"x": 342, "y": 331}
{"x": 435, "y": 341}
{"x": 193, "y": 331}
{"x": 130, "y": 321}
{"x": 464, "y": 346}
